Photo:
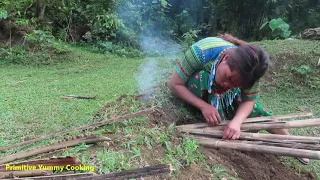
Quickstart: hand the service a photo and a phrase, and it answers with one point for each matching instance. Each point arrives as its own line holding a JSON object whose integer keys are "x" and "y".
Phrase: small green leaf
{"x": 284, "y": 27}
{"x": 164, "y": 3}
{"x": 264, "y": 24}
{"x": 3, "y": 14}
{"x": 286, "y": 34}
{"x": 276, "y": 23}
{"x": 306, "y": 67}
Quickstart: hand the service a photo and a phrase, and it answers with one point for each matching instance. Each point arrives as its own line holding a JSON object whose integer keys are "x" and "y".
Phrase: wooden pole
{"x": 136, "y": 173}
{"x": 282, "y": 125}
{"x": 256, "y": 119}
{"x": 90, "y": 126}
{"x": 285, "y": 144}
{"x": 269, "y": 118}
{"x": 282, "y": 151}
{"x": 263, "y": 126}
{"x": 256, "y": 136}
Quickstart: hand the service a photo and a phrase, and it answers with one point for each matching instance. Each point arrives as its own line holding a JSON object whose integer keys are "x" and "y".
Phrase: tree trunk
{"x": 41, "y": 8}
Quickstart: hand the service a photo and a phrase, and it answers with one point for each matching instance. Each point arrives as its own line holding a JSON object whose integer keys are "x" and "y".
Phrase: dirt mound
{"x": 253, "y": 166}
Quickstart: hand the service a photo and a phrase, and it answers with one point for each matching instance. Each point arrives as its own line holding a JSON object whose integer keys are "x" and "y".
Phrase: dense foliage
{"x": 126, "y": 21}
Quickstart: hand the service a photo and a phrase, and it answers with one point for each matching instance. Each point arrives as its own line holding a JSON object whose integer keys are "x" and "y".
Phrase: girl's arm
{"x": 232, "y": 130}
{"x": 178, "y": 88}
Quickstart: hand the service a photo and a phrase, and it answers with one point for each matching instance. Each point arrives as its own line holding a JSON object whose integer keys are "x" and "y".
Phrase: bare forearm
{"x": 182, "y": 92}
{"x": 243, "y": 111}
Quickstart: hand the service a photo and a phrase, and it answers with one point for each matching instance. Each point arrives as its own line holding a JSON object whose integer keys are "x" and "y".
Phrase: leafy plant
{"x": 302, "y": 70}
{"x": 112, "y": 161}
{"x": 183, "y": 154}
{"x": 39, "y": 37}
{"x": 279, "y": 28}
{"x": 22, "y": 21}
{"x": 189, "y": 37}
{"x": 105, "y": 26}
{"x": 3, "y": 14}
{"x": 117, "y": 49}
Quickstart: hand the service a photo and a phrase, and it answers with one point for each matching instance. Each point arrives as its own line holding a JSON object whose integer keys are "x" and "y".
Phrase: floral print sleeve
{"x": 251, "y": 93}
{"x": 190, "y": 63}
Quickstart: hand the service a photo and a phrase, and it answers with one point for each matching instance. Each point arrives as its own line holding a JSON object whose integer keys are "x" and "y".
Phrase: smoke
{"x": 161, "y": 51}
{"x": 153, "y": 42}
{"x": 146, "y": 77}
{"x": 155, "y": 69}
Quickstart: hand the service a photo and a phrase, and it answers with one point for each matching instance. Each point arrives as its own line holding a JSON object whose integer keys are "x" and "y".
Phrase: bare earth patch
{"x": 243, "y": 165}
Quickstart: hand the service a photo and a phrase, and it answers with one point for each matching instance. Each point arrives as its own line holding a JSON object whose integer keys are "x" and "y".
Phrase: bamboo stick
{"x": 256, "y": 119}
{"x": 136, "y": 173}
{"x": 282, "y": 125}
{"x": 268, "y": 118}
{"x": 60, "y": 161}
{"x": 50, "y": 154}
{"x": 81, "y": 128}
{"x": 285, "y": 144}
{"x": 52, "y": 147}
{"x": 263, "y": 126}
{"x": 256, "y": 136}
{"x": 62, "y": 177}
{"x": 278, "y": 144}
{"x": 282, "y": 151}
{"x": 11, "y": 174}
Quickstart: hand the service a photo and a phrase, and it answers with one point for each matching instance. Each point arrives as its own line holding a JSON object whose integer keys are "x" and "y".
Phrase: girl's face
{"x": 225, "y": 77}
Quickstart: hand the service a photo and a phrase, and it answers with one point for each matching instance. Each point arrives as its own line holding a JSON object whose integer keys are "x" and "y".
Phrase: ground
{"x": 223, "y": 163}
{"x": 32, "y": 107}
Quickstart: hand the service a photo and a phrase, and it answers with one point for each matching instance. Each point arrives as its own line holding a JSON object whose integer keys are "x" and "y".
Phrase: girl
{"x": 220, "y": 76}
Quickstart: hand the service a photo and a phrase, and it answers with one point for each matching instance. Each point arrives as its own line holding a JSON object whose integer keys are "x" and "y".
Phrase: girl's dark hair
{"x": 251, "y": 60}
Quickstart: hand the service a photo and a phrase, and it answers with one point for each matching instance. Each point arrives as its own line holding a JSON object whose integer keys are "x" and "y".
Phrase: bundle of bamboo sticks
{"x": 283, "y": 145}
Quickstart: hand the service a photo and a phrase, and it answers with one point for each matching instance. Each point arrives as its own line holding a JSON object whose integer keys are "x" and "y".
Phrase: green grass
{"x": 291, "y": 92}
{"x": 30, "y": 96}
{"x": 31, "y": 105}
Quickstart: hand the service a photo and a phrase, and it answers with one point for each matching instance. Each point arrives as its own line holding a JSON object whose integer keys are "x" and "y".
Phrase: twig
{"x": 78, "y": 97}
{"x": 10, "y": 38}
{"x": 68, "y": 27}
{"x": 25, "y": 11}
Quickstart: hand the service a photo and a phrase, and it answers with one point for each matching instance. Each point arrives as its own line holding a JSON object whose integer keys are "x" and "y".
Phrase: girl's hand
{"x": 232, "y": 130}
{"x": 211, "y": 115}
